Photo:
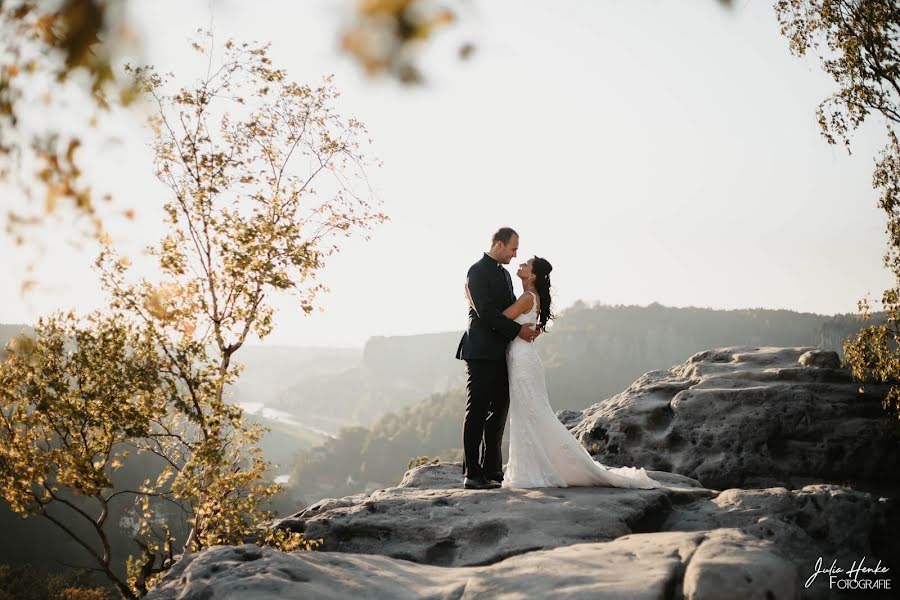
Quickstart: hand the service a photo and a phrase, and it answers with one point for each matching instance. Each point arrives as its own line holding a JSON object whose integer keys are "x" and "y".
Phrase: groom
{"x": 483, "y": 346}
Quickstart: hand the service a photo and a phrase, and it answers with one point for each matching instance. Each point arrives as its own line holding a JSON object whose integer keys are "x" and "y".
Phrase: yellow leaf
{"x": 73, "y": 146}
{"x": 53, "y": 194}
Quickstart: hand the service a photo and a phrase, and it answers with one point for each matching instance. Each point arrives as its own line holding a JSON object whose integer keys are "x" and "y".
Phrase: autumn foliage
{"x": 265, "y": 181}
{"x": 858, "y": 44}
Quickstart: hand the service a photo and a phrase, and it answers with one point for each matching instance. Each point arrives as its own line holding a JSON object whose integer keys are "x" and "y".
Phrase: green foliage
{"x": 240, "y": 152}
{"x": 859, "y": 46}
{"x": 64, "y": 411}
{"x": 386, "y": 34}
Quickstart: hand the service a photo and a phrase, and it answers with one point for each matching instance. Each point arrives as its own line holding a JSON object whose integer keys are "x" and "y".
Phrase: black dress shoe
{"x": 478, "y": 484}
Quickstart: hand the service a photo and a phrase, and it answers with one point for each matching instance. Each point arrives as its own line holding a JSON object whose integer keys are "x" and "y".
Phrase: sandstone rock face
{"x": 828, "y": 521}
{"x": 446, "y": 542}
{"x": 820, "y": 358}
{"x": 717, "y": 565}
{"x": 431, "y": 519}
{"x": 805, "y": 523}
{"x": 569, "y": 418}
{"x": 746, "y": 417}
{"x": 733, "y": 566}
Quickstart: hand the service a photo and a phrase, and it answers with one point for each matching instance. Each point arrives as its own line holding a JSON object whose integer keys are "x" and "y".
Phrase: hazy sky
{"x": 652, "y": 151}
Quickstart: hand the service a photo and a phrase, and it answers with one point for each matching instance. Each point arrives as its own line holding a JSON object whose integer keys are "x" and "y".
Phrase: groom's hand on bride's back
{"x": 529, "y": 333}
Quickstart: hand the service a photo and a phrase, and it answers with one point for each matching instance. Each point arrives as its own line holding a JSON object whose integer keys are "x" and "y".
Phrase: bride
{"x": 542, "y": 452}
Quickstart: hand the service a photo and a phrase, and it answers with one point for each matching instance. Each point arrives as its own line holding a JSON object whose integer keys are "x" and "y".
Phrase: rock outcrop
{"x": 710, "y": 565}
{"x": 786, "y": 424}
{"x": 430, "y": 519}
{"x": 746, "y": 417}
{"x": 429, "y": 538}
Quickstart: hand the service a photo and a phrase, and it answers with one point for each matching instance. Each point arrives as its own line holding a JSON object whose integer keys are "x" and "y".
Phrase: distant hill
{"x": 393, "y": 372}
{"x": 363, "y": 459}
{"x": 281, "y": 443}
{"x": 591, "y": 352}
{"x": 269, "y": 370}
{"x": 594, "y": 352}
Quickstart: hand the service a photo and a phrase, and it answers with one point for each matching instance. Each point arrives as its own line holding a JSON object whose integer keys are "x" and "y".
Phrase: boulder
{"x": 827, "y": 359}
{"x": 747, "y": 417}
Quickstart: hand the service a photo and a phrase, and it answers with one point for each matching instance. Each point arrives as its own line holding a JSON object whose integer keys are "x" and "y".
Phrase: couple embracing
{"x": 505, "y": 377}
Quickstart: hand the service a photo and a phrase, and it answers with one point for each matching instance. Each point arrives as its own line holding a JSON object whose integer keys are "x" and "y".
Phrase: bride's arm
{"x": 519, "y": 307}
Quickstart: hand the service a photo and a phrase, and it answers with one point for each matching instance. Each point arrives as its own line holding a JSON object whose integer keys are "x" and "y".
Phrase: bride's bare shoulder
{"x": 526, "y": 301}
{"x": 521, "y": 306}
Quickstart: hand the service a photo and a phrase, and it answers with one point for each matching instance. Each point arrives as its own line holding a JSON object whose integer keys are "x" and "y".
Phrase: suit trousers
{"x": 487, "y": 405}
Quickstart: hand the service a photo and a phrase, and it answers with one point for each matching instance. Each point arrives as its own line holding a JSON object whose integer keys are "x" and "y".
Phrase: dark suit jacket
{"x": 488, "y": 332}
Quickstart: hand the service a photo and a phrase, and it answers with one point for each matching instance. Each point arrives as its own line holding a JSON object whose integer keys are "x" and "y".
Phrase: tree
{"x": 240, "y": 152}
{"x": 71, "y": 398}
{"x": 859, "y": 46}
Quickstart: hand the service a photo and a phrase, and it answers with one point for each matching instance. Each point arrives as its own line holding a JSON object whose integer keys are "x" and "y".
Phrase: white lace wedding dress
{"x": 542, "y": 452}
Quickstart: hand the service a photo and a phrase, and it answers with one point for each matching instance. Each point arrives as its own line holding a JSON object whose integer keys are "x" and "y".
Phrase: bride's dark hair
{"x": 541, "y": 269}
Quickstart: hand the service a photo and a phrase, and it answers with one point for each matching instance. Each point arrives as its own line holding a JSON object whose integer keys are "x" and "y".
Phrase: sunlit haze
{"x": 651, "y": 151}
